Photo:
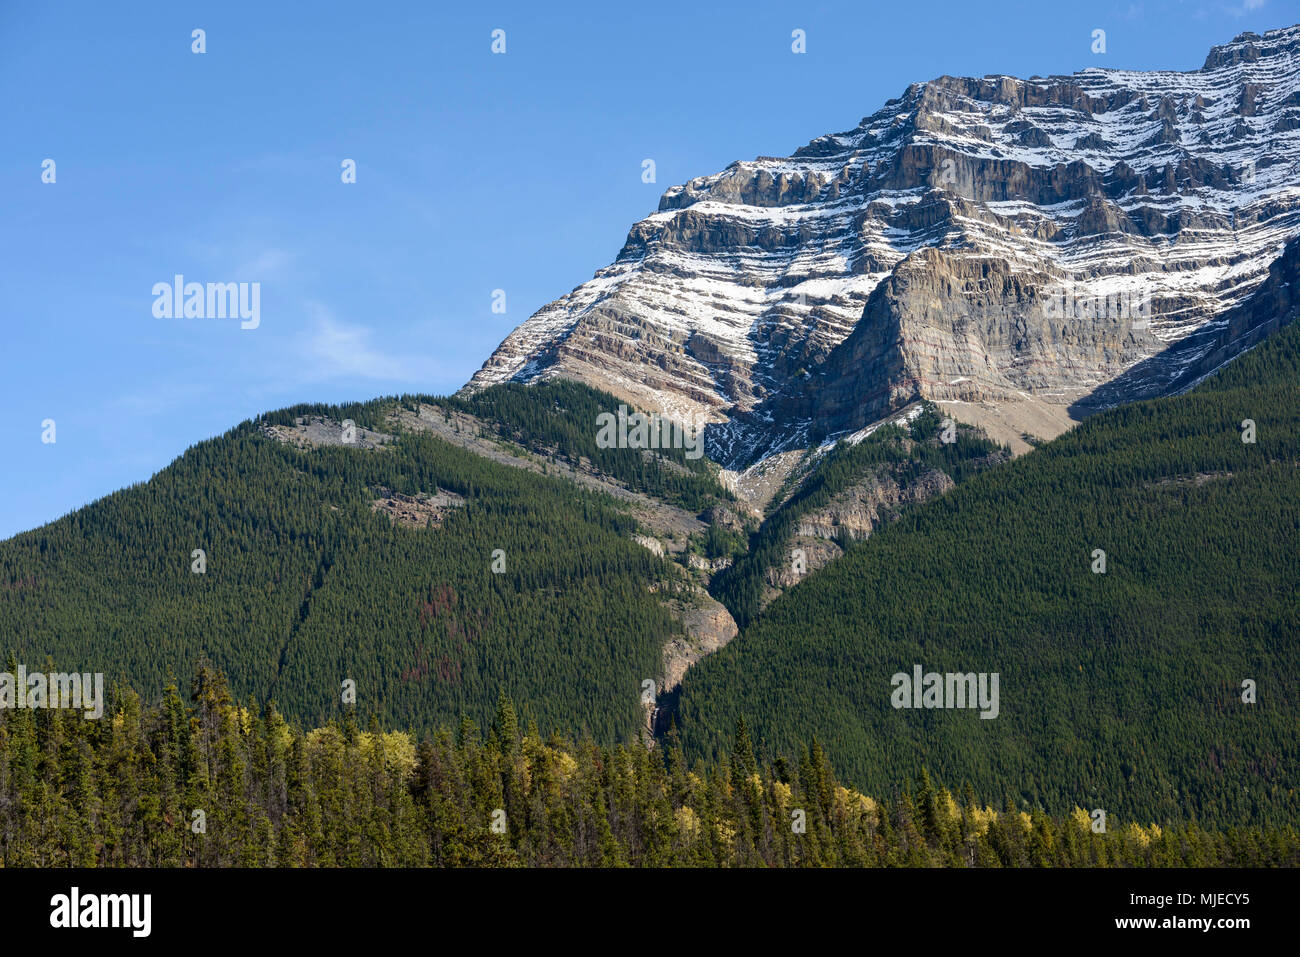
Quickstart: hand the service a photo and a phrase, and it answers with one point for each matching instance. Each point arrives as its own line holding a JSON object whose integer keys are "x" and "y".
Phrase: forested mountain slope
{"x": 434, "y": 578}
{"x": 1120, "y": 690}
{"x": 845, "y": 496}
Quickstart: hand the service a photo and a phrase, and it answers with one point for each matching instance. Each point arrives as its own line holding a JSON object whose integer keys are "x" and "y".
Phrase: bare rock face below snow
{"x": 1015, "y": 248}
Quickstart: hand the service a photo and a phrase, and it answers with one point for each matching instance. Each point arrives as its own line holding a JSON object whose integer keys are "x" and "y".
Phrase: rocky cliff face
{"x": 852, "y": 515}
{"x": 1009, "y": 248}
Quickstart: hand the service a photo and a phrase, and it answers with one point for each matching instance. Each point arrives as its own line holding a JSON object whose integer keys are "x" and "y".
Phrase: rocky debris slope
{"x": 314, "y": 431}
{"x": 671, "y": 526}
{"x": 1006, "y": 245}
{"x": 423, "y": 510}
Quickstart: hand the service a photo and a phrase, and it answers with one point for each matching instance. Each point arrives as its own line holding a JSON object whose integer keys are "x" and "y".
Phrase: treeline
{"x": 903, "y": 454}
{"x": 204, "y": 782}
{"x": 1136, "y": 585}
{"x": 303, "y": 585}
{"x": 558, "y": 416}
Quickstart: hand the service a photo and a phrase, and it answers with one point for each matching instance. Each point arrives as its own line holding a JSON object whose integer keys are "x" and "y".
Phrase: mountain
{"x": 1123, "y": 685}
{"x": 943, "y": 261}
{"x": 1007, "y": 248}
{"x": 447, "y": 554}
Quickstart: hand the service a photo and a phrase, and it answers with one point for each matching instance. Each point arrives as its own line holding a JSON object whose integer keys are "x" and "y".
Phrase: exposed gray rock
{"x": 925, "y": 254}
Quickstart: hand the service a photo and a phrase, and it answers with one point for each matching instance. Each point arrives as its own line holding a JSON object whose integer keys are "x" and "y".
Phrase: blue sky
{"x": 475, "y": 172}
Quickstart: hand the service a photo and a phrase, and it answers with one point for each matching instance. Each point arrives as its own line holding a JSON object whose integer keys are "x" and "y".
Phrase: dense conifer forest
{"x": 1124, "y": 676}
{"x": 305, "y": 586}
{"x": 199, "y": 781}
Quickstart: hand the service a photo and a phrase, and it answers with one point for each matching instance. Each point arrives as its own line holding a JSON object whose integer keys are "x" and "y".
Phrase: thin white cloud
{"x": 268, "y": 264}
{"x": 337, "y": 349}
